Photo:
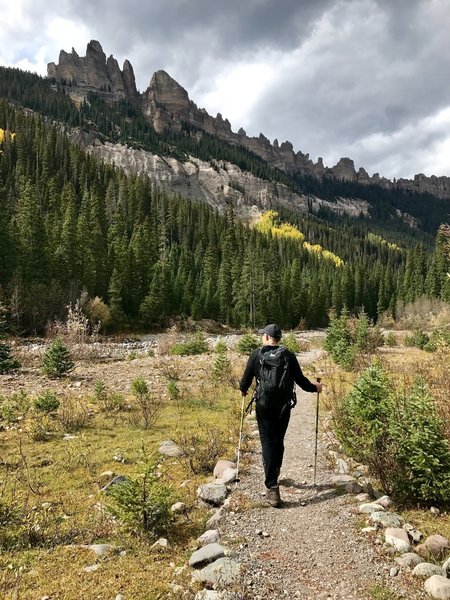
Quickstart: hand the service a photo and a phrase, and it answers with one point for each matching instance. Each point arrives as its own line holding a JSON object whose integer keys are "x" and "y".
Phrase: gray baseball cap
{"x": 272, "y": 331}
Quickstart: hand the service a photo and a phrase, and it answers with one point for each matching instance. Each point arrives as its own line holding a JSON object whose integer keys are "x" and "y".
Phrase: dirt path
{"x": 311, "y": 548}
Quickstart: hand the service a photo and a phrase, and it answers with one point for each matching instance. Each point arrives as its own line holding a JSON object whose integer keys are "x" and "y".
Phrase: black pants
{"x": 272, "y": 429}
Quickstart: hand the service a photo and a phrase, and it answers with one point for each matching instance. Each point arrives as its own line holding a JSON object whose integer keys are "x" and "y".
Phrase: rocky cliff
{"x": 94, "y": 72}
{"x": 219, "y": 184}
{"x": 167, "y": 105}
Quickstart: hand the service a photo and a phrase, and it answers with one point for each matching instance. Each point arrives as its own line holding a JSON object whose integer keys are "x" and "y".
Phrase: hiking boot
{"x": 273, "y": 496}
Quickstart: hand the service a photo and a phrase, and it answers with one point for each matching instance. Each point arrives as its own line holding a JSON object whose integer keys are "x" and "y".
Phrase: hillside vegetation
{"x": 70, "y": 223}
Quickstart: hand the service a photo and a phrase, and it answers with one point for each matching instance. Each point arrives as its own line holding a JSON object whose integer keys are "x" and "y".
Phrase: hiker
{"x": 275, "y": 369}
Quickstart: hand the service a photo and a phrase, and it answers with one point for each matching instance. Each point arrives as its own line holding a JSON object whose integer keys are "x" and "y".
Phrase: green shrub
{"x": 431, "y": 346}
{"x": 47, "y": 402}
{"x": 202, "y": 448}
{"x": 339, "y": 341}
{"x": 366, "y": 337}
{"x": 196, "y": 345}
{"x": 72, "y": 415}
{"x": 346, "y": 339}
{"x": 221, "y": 346}
{"x": 222, "y": 367}
{"x": 25, "y": 526}
{"x": 14, "y": 406}
{"x": 362, "y": 417}
{"x": 143, "y": 503}
{"x": 107, "y": 400}
{"x": 7, "y": 362}
{"x": 440, "y": 338}
{"x": 390, "y": 340}
{"x": 421, "y": 448}
{"x": 173, "y": 390}
{"x": 289, "y": 341}
{"x": 149, "y": 405}
{"x": 418, "y": 339}
{"x": 40, "y": 427}
{"x": 247, "y": 344}
{"x": 57, "y": 360}
{"x": 401, "y": 439}
{"x": 9, "y": 513}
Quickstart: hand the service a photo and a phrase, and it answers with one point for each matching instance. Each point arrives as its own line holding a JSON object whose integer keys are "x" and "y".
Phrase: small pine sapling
{"x": 57, "y": 361}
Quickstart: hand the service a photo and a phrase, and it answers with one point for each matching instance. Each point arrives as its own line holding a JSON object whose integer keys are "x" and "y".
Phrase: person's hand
{"x": 319, "y": 386}
{"x": 243, "y": 393}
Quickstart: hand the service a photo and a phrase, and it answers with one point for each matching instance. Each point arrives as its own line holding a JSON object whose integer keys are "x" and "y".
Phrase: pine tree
{"x": 57, "y": 360}
{"x": 30, "y": 235}
{"x": 363, "y": 415}
{"x": 222, "y": 366}
{"x": 438, "y": 277}
{"x": 156, "y": 305}
{"x": 339, "y": 340}
{"x": 115, "y": 298}
{"x": 6, "y": 245}
{"x": 225, "y": 284}
{"x": 7, "y": 362}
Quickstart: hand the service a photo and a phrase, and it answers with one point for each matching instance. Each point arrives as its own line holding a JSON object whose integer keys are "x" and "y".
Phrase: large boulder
{"x": 169, "y": 448}
{"x": 426, "y": 570}
{"x": 409, "y": 560}
{"x": 206, "y": 554}
{"x": 435, "y": 545}
{"x": 398, "y": 539}
{"x": 224, "y": 571}
{"x": 370, "y": 507}
{"x": 209, "y": 537}
{"x": 387, "y": 519}
{"x": 438, "y": 587}
{"x": 213, "y": 493}
{"x": 222, "y": 466}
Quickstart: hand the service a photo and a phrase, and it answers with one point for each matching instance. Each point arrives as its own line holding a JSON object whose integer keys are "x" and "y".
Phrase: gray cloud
{"x": 360, "y": 78}
{"x": 182, "y": 35}
{"x": 379, "y": 79}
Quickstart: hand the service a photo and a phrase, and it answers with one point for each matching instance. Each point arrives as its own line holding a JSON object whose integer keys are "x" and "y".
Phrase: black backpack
{"x": 275, "y": 384}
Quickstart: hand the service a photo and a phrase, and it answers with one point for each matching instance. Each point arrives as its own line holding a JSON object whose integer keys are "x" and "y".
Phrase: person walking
{"x": 275, "y": 370}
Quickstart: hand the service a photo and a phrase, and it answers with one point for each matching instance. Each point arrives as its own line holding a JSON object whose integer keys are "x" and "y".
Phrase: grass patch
{"x": 428, "y": 523}
{"x": 55, "y": 484}
{"x": 379, "y": 592}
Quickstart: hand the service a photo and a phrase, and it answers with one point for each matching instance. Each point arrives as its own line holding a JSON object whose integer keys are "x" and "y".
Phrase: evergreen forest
{"x": 70, "y": 224}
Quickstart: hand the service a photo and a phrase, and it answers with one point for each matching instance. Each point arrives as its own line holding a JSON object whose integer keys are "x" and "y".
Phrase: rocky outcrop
{"x": 168, "y": 106}
{"x": 94, "y": 72}
{"x": 219, "y": 185}
{"x": 166, "y": 103}
{"x": 438, "y": 186}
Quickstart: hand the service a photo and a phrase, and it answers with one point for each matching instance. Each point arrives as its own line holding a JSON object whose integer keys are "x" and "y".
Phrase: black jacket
{"x": 254, "y": 365}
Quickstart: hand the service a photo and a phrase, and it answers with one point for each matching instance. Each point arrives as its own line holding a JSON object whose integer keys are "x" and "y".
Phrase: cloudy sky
{"x": 367, "y": 79}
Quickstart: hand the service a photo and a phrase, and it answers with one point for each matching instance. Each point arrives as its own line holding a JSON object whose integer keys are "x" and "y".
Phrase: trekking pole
{"x": 317, "y": 433}
{"x": 240, "y": 440}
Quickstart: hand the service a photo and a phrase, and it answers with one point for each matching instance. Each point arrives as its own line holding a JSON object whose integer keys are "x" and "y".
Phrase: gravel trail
{"x": 312, "y": 547}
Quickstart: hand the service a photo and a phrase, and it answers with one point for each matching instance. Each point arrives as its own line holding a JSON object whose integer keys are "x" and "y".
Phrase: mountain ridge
{"x": 167, "y": 106}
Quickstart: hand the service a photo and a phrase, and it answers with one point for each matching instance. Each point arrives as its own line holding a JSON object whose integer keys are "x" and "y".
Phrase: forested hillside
{"x": 69, "y": 223}
{"x": 125, "y": 123}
